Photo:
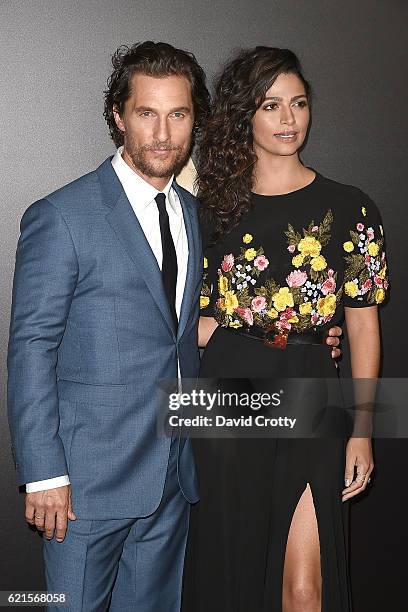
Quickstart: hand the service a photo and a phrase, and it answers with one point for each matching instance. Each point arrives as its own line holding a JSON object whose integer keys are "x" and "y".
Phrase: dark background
{"x": 55, "y": 59}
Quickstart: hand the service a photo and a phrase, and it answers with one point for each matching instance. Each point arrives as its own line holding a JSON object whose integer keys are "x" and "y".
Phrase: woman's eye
{"x": 271, "y": 106}
{"x": 301, "y": 103}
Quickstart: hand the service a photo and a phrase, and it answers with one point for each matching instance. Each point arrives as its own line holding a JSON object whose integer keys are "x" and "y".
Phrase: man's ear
{"x": 118, "y": 118}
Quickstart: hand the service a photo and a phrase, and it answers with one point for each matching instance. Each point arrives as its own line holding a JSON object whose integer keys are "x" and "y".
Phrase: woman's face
{"x": 280, "y": 123}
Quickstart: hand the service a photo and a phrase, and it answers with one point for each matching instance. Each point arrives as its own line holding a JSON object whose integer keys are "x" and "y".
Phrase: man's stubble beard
{"x": 138, "y": 155}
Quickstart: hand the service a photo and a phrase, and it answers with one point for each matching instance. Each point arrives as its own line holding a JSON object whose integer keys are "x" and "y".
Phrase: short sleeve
{"x": 365, "y": 263}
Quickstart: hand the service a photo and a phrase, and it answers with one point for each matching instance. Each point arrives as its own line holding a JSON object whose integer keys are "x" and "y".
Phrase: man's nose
{"x": 161, "y": 132}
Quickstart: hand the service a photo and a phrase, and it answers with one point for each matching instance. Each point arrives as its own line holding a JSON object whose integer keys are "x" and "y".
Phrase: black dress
{"x": 293, "y": 262}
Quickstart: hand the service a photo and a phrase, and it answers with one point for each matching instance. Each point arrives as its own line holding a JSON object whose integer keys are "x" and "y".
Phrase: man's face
{"x": 157, "y": 122}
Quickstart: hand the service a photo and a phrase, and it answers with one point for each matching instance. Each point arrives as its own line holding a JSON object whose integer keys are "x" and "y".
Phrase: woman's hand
{"x": 206, "y": 328}
{"x": 359, "y": 455}
{"x": 333, "y": 339}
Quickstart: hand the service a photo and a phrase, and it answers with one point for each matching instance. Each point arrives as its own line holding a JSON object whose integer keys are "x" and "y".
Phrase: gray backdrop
{"x": 55, "y": 58}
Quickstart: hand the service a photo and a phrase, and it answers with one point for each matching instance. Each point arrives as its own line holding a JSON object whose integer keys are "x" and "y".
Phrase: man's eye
{"x": 146, "y": 114}
{"x": 178, "y": 115}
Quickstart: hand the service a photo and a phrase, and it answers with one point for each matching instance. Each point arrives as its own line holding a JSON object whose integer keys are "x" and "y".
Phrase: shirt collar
{"x": 139, "y": 191}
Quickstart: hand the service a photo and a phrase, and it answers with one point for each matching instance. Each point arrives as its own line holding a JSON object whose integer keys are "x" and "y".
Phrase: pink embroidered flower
{"x": 227, "y": 262}
{"x": 367, "y": 259}
{"x": 330, "y": 272}
{"x": 245, "y": 314}
{"x": 360, "y": 227}
{"x": 288, "y": 313}
{"x": 385, "y": 284}
{"x": 378, "y": 281}
{"x": 258, "y": 303}
{"x": 370, "y": 234}
{"x": 261, "y": 262}
{"x": 291, "y": 248}
{"x": 315, "y": 228}
{"x": 327, "y": 318}
{"x": 283, "y": 324}
{"x": 314, "y": 318}
{"x": 297, "y": 278}
{"x": 383, "y": 256}
{"x": 329, "y": 286}
{"x": 367, "y": 285}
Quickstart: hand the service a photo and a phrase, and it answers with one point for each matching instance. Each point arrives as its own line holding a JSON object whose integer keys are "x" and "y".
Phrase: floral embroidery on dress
{"x": 308, "y": 299}
{"x": 366, "y": 264}
{"x": 205, "y": 289}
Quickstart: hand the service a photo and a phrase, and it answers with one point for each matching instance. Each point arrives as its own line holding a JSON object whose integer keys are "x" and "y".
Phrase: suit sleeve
{"x": 45, "y": 277}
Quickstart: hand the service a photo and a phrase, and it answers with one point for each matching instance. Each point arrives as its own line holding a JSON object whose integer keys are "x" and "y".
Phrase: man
{"x": 105, "y": 303}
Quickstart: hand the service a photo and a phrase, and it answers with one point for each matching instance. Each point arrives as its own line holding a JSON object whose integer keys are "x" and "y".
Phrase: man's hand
{"x": 50, "y": 510}
{"x": 333, "y": 340}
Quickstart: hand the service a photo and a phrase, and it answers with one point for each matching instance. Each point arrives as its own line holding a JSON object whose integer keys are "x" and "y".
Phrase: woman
{"x": 288, "y": 251}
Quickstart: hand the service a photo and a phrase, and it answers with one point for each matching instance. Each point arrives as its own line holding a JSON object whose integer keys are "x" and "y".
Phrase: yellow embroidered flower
{"x": 305, "y": 308}
{"x": 309, "y": 246}
{"x": 379, "y": 296}
{"x": 272, "y": 313}
{"x": 282, "y": 299}
{"x": 231, "y": 302}
{"x": 351, "y": 289}
{"x": 382, "y": 272}
{"x": 297, "y": 260}
{"x": 204, "y": 301}
{"x": 382, "y": 230}
{"x": 364, "y": 211}
{"x": 318, "y": 263}
{"x": 373, "y": 249}
{"x": 250, "y": 254}
{"x": 326, "y": 305}
{"x": 247, "y": 238}
{"x": 348, "y": 246}
{"x": 205, "y": 262}
{"x": 234, "y": 324}
{"x": 293, "y": 319}
{"x": 222, "y": 284}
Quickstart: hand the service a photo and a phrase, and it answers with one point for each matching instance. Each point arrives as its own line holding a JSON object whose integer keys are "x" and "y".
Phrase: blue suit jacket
{"x": 90, "y": 335}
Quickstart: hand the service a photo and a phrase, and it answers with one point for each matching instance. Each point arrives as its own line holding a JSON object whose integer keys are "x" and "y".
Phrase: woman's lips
{"x": 286, "y": 136}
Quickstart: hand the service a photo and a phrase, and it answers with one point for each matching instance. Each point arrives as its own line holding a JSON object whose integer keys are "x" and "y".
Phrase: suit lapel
{"x": 126, "y": 226}
{"x": 191, "y": 264}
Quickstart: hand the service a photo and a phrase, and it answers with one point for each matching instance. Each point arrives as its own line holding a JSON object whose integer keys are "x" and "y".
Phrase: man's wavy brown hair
{"x": 156, "y": 59}
{"x": 227, "y": 158}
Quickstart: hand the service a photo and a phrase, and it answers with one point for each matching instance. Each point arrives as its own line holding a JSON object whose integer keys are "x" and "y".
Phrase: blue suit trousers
{"x": 123, "y": 565}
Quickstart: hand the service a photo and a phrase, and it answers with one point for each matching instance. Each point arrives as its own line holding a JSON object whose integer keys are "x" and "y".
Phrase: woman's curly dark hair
{"x": 157, "y": 60}
{"x": 227, "y": 158}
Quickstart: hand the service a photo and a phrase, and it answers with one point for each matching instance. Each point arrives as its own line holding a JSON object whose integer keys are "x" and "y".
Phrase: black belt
{"x": 274, "y": 338}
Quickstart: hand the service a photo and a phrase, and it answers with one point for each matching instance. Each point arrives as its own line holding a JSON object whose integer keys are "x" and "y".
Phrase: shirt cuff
{"x": 50, "y": 483}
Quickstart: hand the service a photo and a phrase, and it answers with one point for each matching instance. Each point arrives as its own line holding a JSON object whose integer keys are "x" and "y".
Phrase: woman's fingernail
{"x": 347, "y": 482}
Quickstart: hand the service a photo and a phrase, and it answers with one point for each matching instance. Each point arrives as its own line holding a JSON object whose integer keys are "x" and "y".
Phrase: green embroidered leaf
{"x": 355, "y": 263}
{"x": 323, "y": 233}
{"x": 314, "y": 275}
{"x": 293, "y": 236}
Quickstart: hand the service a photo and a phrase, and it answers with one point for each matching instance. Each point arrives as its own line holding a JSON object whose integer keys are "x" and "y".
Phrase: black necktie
{"x": 169, "y": 264}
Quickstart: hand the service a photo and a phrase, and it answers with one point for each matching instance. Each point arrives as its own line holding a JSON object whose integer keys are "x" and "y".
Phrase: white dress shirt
{"x": 141, "y": 197}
